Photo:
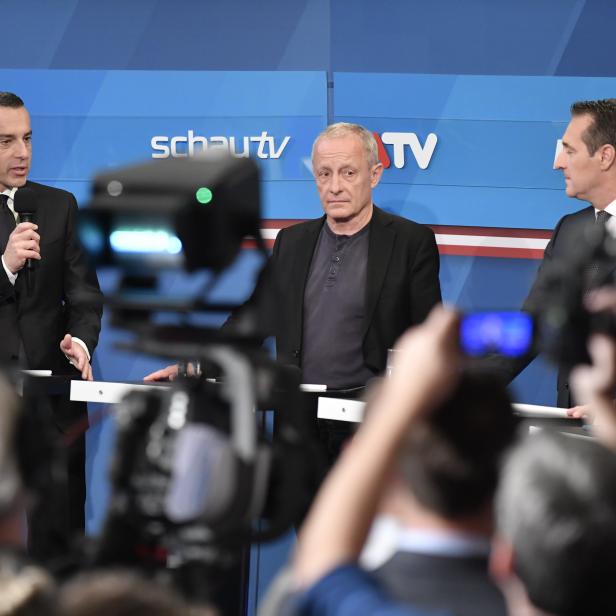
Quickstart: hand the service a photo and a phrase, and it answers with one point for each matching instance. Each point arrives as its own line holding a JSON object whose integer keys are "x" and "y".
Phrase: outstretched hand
{"x": 77, "y": 356}
{"x": 594, "y": 385}
{"x": 169, "y": 373}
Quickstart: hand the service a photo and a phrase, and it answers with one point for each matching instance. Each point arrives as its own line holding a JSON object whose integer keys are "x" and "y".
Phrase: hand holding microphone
{"x": 24, "y": 242}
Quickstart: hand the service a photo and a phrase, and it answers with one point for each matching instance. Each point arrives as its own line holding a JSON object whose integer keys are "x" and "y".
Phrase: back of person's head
{"x": 451, "y": 461}
{"x": 25, "y": 589}
{"x": 602, "y": 131}
{"x": 8, "y": 99}
{"x": 556, "y": 506}
{"x": 121, "y": 593}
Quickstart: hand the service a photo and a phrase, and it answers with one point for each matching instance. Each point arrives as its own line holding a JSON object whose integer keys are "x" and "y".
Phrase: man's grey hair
{"x": 556, "y": 505}
{"x": 344, "y": 129}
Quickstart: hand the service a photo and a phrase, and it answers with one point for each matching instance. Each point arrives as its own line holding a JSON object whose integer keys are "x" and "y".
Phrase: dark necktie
{"x": 602, "y": 217}
{"x": 7, "y": 222}
{"x": 593, "y": 277}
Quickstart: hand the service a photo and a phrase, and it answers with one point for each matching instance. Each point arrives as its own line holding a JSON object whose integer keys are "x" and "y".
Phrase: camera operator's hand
{"x": 581, "y": 411}
{"x": 427, "y": 361}
{"x": 169, "y": 373}
{"x": 23, "y": 244}
{"x": 595, "y": 386}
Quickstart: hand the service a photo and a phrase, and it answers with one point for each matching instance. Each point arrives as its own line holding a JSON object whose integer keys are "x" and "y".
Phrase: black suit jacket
{"x": 402, "y": 285}
{"x": 55, "y": 306}
{"x": 460, "y": 585}
{"x": 567, "y": 238}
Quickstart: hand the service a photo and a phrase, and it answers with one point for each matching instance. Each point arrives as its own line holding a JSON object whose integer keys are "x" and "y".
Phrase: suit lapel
{"x": 41, "y": 211}
{"x": 40, "y": 221}
{"x": 380, "y": 247}
{"x": 303, "y": 252}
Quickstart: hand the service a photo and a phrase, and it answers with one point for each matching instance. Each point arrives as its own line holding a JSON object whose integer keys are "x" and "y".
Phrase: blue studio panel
{"x": 88, "y": 121}
{"x": 492, "y": 79}
{"x": 496, "y": 139}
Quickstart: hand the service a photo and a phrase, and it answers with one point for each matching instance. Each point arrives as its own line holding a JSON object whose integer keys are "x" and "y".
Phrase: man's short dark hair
{"x": 8, "y": 99}
{"x": 557, "y": 507}
{"x": 602, "y": 131}
{"x": 451, "y": 462}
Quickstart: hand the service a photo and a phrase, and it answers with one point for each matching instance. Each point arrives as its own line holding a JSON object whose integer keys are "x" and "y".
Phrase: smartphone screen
{"x": 508, "y": 333}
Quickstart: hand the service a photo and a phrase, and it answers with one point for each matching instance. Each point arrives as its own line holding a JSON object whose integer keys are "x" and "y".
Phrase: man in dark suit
{"x": 588, "y": 162}
{"x": 49, "y": 322}
{"x": 339, "y": 290}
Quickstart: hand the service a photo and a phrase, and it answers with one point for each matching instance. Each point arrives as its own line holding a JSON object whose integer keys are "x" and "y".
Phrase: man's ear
{"x": 607, "y": 156}
{"x": 501, "y": 559}
{"x": 375, "y": 174}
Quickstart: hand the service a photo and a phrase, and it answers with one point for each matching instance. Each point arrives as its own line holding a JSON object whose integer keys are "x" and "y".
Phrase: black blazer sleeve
{"x": 507, "y": 368}
{"x": 425, "y": 286}
{"x": 83, "y": 301}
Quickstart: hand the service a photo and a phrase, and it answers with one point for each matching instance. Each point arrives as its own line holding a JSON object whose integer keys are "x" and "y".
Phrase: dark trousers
{"x": 55, "y": 473}
{"x": 333, "y": 436}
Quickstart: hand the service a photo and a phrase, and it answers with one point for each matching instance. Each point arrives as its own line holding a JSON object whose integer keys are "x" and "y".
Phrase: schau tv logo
{"x": 400, "y": 141}
{"x": 180, "y": 146}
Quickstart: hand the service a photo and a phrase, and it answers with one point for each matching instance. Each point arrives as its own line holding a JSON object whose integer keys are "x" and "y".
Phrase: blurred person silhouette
{"x": 325, "y": 573}
{"x": 441, "y": 501}
{"x": 555, "y": 547}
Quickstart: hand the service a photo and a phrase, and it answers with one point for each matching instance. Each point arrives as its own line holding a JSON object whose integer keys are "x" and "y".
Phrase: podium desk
{"x": 342, "y": 406}
{"x": 77, "y": 390}
{"x": 537, "y": 417}
{"x": 107, "y": 392}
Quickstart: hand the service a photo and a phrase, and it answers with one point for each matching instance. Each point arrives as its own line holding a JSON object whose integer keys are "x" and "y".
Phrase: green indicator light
{"x": 204, "y": 195}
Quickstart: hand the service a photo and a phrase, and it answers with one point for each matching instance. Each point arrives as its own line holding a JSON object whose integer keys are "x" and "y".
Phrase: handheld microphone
{"x": 25, "y": 204}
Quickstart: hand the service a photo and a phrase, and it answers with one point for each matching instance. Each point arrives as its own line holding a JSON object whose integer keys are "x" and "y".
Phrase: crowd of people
{"x": 483, "y": 518}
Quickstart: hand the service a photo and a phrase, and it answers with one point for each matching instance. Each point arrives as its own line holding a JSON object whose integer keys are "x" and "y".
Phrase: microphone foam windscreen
{"x": 25, "y": 201}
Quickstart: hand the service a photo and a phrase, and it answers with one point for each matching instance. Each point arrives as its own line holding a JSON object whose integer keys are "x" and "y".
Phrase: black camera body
{"x": 197, "y": 474}
{"x": 563, "y": 322}
{"x": 196, "y": 477}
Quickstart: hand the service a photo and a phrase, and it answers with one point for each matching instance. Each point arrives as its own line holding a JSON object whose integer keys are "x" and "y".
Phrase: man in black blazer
{"x": 401, "y": 286}
{"x": 50, "y": 321}
{"x": 588, "y": 162}
{"x": 366, "y": 275}
{"x": 339, "y": 290}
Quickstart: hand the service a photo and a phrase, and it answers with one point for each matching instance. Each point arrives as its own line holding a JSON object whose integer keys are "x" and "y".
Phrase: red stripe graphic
{"x": 457, "y": 240}
{"x": 383, "y": 155}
